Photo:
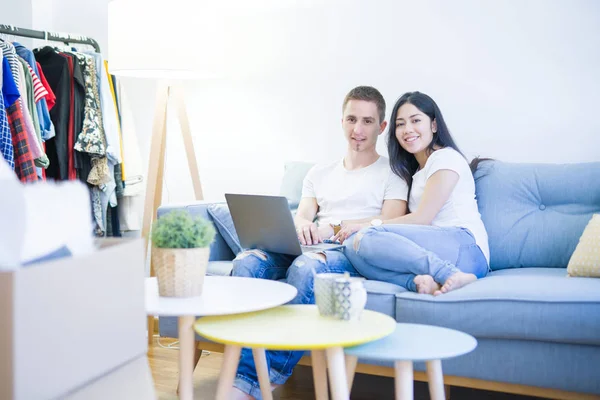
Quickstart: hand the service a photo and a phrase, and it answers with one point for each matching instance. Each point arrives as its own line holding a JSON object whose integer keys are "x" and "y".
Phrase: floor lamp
{"x": 136, "y": 48}
{"x": 156, "y": 165}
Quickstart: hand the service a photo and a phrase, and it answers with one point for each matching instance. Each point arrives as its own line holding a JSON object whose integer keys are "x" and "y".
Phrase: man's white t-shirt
{"x": 347, "y": 195}
{"x": 460, "y": 209}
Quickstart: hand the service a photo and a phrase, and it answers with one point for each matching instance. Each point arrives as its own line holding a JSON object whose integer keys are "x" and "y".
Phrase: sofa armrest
{"x": 219, "y": 250}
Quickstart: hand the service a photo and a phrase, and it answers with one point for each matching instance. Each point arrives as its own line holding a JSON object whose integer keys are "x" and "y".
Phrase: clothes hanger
{"x": 8, "y": 38}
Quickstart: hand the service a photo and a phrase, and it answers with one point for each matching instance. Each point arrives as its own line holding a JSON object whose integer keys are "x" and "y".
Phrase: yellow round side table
{"x": 292, "y": 327}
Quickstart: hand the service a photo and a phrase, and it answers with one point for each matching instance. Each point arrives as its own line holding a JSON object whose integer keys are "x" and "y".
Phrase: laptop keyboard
{"x": 320, "y": 246}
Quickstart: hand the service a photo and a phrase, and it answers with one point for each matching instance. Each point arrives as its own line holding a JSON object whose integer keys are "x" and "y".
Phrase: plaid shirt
{"x": 6, "y": 146}
{"x": 24, "y": 165}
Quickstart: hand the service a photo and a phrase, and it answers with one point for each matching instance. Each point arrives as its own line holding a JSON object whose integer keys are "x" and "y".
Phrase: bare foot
{"x": 426, "y": 284}
{"x": 237, "y": 394}
{"x": 456, "y": 281}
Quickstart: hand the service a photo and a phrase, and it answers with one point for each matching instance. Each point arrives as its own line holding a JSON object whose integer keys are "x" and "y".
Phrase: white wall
{"x": 88, "y": 18}
{"x": 16, "y": 13}
{"x": 515, "y": 80}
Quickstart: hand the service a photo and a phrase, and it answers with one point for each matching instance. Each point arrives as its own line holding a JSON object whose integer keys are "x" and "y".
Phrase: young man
{"x": 359, "y": 188}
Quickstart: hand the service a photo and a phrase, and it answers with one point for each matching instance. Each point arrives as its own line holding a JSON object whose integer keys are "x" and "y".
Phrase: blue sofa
{"x": 538, "y": 330}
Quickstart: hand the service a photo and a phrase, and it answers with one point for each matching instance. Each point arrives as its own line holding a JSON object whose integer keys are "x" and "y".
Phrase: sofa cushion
{"x": 535, "y": 213}
{"x": 530, "y": 304}
{"x": 219, "y": 268}
{"x": 585, "y": 261}
{"x": 381, "y": 297}
{"x": 222, "y": 218}
{"x": 291, "y": 184}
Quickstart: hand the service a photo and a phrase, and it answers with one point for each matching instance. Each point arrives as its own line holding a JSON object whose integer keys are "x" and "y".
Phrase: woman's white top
{"x": 460, "y": 210}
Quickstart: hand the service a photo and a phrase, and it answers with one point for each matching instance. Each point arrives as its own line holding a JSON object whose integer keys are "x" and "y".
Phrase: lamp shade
{"x": 187, "y": 39}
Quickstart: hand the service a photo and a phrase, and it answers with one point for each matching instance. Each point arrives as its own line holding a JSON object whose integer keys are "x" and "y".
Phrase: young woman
{"x": 442, "y": 244}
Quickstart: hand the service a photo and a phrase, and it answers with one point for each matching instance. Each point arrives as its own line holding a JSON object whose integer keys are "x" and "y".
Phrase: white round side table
{"x": 222, "y": 295}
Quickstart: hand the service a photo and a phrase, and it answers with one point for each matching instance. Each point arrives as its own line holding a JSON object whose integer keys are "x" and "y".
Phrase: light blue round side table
{"x": 412, "y": 342}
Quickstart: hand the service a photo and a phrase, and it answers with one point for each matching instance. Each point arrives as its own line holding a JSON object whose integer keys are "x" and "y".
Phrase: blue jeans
{"x": 298, "y": 272}
{"x": 398, "y": 253}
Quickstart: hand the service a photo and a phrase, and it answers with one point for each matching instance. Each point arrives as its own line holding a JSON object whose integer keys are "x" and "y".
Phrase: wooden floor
{"x": 163, "y": 362}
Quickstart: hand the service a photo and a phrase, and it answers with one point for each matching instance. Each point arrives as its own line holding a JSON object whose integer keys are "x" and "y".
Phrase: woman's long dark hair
{"x": 403, "y": 163}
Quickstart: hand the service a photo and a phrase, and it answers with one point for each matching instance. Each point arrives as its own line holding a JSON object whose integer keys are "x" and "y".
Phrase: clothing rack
{"x": 66, "y": 38}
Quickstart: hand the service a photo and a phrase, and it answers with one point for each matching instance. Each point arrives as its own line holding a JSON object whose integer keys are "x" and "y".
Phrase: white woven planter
{"x": 180, "y": 272}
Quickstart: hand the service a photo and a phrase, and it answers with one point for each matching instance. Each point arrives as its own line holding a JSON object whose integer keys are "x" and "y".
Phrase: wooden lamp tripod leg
{"x": 186, "y": 132}
{"x": 154, "y": 183}
{"x": 156, "y": 164}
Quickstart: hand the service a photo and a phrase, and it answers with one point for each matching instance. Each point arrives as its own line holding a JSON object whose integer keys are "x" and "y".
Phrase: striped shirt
{"x": 50, "y": 97}
{"x": 39, "y": 91}
{"x": 10, "y": 54}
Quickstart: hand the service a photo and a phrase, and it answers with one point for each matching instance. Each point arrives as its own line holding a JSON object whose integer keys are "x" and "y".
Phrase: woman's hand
{"x": 349, "y": 229}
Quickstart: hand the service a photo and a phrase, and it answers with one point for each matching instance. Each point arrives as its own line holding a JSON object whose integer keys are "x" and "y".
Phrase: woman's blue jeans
{"x": 398, "y": 253}
{"x": 298, "y": 272}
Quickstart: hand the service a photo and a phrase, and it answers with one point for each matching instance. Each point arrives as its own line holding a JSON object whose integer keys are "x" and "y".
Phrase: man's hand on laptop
{"x": 308, "y": 234}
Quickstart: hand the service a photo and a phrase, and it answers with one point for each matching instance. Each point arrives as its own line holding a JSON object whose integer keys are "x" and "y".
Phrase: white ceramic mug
{"x": 350, "y": 298}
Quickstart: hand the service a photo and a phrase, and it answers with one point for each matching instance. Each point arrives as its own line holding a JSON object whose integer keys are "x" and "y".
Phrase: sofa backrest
{"x": 535, "y": 213}
{"x": 291, "y": 184}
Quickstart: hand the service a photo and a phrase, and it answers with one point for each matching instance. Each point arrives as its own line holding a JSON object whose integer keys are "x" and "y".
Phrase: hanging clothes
{"x": 40, "y": 92}
{"x": 58, "y": 110}
{"x": 98, "y": 130}
{"x": 112, "y": 190}
{"x": 6, "y": 146}
{"x": 131, "y": 206}
{"x": 18, "y": 74}
{"x": 115, "y": 102}
{"x": 71, "y": 64}
{"x": 29, "y": 106}
{"x": 109, "y": 114}
{"x": 23, "y": 152}
{"x": 92, "y": 138}
{"x": 8, "y": 93}
{"x": 56, "y": 70}
{"x": 50, "y": 97}
{"x": 81, "y": 162}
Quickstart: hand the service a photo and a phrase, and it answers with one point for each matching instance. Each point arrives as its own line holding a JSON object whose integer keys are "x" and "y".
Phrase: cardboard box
{"x": 66, "y": 323}
{"x": 133, "y": 381}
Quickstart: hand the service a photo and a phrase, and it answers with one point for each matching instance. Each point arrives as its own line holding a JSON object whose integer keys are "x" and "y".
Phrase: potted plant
{"x": 180, "y": 253}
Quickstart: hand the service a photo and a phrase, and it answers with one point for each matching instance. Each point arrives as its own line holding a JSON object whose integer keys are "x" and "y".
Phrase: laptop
{"x": 266, "y": 223}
